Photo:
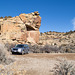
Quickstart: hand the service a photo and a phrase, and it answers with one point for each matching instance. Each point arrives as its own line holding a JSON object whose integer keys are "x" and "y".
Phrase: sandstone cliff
{"x": 20, "y": 29}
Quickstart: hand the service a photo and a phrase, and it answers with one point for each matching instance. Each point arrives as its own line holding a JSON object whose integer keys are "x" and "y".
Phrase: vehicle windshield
{"x": 20, "y": 46}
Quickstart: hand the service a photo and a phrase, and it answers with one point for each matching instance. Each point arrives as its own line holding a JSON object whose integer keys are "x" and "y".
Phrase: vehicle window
{"x": 20, "y": 46}
{"x": 25, "y": 46}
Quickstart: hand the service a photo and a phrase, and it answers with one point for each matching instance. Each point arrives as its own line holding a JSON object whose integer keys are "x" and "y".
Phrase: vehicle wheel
{"x": 27, "y": 52}
{"x": 22, "y": 52}
{"x": 12, "y": 52}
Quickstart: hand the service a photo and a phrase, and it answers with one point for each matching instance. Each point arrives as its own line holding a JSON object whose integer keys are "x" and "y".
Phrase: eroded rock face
{"x": 32, "y": 20}
{"x": 32, "y": 36}
{"x": 22, "y": 28}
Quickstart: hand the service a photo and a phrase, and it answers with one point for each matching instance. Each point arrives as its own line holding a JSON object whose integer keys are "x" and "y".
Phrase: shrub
{"x": 35, "y": 48}
{"x": 67, "y": 48}
{"x": 9, "y": 46}
{"x": 64, "y": 68}
{"x": 9, "y": 16}
{"x": 50, "y": 48}
{"x": 70, "y": 32}
{"x": 3, "y": 55}
{"x": 43, "y": 49}
{"x": 1, "y": 17}
{"x": 5, "y": 17}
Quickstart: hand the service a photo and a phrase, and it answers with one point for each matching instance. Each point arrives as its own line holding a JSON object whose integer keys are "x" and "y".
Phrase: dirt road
{"x": 70, "y": 56}
{"x": 37, "y": 64}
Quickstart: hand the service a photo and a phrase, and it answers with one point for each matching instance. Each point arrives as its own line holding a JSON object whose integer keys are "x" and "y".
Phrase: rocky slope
{"x": 57, "y": 38}
{"x": 64, "y": 41}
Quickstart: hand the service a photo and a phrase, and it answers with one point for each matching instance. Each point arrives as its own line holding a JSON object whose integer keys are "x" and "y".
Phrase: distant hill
{"x": 65, "y": 41}
{"x": 57, "y": 38}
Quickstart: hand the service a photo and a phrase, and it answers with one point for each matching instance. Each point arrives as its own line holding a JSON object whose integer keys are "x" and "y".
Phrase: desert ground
{"x": 35, "y": 63}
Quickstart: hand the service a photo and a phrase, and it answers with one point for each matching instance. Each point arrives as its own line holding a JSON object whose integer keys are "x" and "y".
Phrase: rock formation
{"x": 57, "y": 38}
{"x": 21, "y": 29}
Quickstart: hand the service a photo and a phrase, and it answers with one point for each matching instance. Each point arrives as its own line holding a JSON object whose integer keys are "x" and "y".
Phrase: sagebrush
{"x": 64, "y": 68}
{"x": 43, "y": 49}
{"x": 4, "y": 55}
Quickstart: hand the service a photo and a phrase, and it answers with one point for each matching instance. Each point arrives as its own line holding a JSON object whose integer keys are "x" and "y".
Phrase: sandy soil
{"x": 36, "y": 64}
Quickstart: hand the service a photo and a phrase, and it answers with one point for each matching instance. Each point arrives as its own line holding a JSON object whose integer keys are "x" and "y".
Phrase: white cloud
{"x": 73, "y": 22}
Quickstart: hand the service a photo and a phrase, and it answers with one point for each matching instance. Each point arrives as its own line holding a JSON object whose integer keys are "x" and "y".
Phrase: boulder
{"x": 31, "y": 21}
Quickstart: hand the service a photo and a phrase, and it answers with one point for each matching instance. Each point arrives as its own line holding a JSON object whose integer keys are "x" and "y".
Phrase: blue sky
{"x": 57, "y": 15}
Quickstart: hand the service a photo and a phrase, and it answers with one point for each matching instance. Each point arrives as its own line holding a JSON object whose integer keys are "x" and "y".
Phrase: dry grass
{"x": 4, "y": 55}
{"x": 35, "y": 63}
{"x": 64, "y": 67}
